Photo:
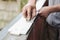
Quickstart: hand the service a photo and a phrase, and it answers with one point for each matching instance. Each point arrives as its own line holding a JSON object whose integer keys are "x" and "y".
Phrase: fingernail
{"x": 28, "y": 19}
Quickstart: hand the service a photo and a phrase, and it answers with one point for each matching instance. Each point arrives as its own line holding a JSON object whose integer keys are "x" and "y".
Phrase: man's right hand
{"x": 29, "y": 11}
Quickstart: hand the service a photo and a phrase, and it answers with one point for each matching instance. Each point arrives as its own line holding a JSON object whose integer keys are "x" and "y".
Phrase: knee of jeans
{"x": 49, "y": 20}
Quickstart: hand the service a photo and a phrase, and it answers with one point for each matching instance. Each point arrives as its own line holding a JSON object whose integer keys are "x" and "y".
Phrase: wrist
{"x": 32, "y": 2}
{"x": 52, "y": 9}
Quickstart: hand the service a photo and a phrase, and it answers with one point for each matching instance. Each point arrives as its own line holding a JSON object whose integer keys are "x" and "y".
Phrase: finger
{"x": 24, "y": 11}
{"x": 40, "y": 11}
{"x": 34, "y": 13}
{"x": 29, "y": 13}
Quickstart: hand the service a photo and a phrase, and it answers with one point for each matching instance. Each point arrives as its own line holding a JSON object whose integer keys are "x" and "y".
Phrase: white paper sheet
{"x": 22, "y": 26}
{"x": 39, "y": 4}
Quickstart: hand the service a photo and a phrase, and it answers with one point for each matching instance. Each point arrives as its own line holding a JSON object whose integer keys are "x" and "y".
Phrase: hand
{"x": 29, "y": 11}
{"x": 44, "y": 11}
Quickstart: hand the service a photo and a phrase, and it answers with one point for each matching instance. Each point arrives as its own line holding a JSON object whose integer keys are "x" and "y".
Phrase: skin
{"x": 29, "y": 10}
{"x": 45, "y": 11}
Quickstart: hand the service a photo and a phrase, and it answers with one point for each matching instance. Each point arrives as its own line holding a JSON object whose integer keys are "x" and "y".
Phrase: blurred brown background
{"x": 9, "y": 9}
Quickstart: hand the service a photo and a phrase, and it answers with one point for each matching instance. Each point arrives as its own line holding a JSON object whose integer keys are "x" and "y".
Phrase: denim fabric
{"x": 54, "y": 18}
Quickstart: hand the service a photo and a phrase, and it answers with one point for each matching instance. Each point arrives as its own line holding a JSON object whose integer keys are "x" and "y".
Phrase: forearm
{"x": 55, "y": 8}
{"x": 32, "y": 1}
